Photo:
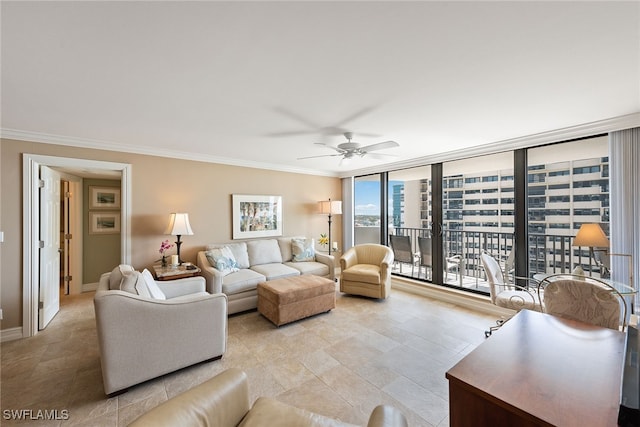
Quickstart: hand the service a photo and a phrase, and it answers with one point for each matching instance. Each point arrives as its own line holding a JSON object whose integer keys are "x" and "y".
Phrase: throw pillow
{"x": 302, "y": 250}
{"x": 222, "y": 259}
{"x": 141, "y": 287}
{"x": 239, "y": 251}
{"x": 115, "y": 279}
{"x": 129, "y": 281}
{"x": 152, "y": 286}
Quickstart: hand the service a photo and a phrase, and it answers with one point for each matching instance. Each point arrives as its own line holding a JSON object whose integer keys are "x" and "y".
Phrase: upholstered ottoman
{"x": 293, "y": 298}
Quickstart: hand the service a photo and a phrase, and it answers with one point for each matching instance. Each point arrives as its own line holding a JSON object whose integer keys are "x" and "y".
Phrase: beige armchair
{"x": 366, "y": 270}
{"x": 223, "y": 401}
{"x": 141, "y": 338}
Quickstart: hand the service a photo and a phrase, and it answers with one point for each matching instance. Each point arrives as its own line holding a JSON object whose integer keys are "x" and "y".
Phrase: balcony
{"x": 548, "y": 253}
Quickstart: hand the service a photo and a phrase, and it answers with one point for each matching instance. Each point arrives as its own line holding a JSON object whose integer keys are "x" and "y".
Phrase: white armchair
{"x": 141, "y": 338}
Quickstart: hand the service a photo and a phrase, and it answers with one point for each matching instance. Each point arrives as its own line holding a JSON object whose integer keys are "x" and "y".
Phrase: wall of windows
{"x": 562, "y": 186}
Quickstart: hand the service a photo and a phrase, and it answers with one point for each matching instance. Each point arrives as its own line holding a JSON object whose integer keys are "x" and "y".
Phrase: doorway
{"x": 31, "y": 222}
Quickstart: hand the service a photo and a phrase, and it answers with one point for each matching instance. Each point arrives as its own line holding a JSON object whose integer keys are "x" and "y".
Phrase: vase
{"x": 164, "y": 260}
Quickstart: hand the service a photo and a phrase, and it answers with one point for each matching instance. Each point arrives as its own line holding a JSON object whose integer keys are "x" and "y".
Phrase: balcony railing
{"x": 548, "y": 253}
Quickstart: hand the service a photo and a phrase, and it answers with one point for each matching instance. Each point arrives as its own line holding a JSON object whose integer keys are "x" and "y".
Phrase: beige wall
{"x": 161, "y": 186}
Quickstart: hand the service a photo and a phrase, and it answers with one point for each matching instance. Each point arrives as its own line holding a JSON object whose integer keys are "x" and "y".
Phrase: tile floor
{"x": 340, "y": 364}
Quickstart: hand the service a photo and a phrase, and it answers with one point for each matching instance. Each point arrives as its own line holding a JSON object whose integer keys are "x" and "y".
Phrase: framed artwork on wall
{"x": 256, "y": 216}
{"x": 104, "y": 197}
{"x": 104, "y": 222}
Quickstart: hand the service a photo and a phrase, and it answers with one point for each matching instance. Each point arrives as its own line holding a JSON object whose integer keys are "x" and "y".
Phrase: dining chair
{"x": 505, "y": 294}
{"x": 586, "y": 299}
{"x": 402, "y": 251}
{"x": 426, "y": 256}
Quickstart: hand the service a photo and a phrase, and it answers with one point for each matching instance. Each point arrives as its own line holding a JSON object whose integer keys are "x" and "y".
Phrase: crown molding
{"x": 580, "y": 131}
{"x": 71, "y": 141}
{"x": 565, "y": 134}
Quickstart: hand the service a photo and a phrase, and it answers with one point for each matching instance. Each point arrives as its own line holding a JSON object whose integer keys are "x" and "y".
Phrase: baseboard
{"x": 11, "y": 334}
{"x": 464, "y": 299}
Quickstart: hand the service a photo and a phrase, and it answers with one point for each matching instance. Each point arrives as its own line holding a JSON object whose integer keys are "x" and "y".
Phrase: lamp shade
{"x": 591, "y": 235}
{"x": 330, "y": 207}
{"x": 179, "y": 225}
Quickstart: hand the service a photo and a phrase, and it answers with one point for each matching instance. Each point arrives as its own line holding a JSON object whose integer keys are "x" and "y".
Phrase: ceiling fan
{"x": 349, "y": 149}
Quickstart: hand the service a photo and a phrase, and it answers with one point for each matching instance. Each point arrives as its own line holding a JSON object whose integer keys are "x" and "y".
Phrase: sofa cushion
{"x": 152, "y": 286}
{"x": 311, "y": 267}
{"x": 285, "y": 248}
{"x": 365, "y": 273}
{"x": 222, "y": 259}
{"x": 117, "y": 275}
{"x": 240, "y": 281}
{"x": 302, "y": 250}
{"x": 239, "y": 251}
{"x": 275, "y": 270}
{"x": 265, "y": 251}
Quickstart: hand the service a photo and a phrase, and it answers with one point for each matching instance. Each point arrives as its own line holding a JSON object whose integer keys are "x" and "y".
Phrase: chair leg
{"x": 497, "y": 326}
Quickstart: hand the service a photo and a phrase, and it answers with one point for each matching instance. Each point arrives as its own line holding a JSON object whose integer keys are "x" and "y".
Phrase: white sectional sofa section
{"x": 258, "y": 261}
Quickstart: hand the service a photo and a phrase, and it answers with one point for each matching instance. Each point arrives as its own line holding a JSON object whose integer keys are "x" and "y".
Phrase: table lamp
{"x": 330, "y": 207}
{"x": 179, "y": 226}
{"x": 591, "y": 235}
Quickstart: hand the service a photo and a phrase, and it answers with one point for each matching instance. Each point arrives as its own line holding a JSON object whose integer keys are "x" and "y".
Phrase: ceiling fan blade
{"x": 359, "y": 113}
{"x": 290, "y": 133}
{"x": 379, "y": 156}
{"x": 380, "y": 146}
{"x": 324, "y": 144}
{"x": 315, "y": 157}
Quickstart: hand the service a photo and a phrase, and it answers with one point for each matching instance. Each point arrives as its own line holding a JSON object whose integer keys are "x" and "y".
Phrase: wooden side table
{"x": 173, "y": 273}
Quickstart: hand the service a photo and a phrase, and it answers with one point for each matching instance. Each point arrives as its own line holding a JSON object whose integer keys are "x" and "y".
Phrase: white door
{"x": 49, "y": 302}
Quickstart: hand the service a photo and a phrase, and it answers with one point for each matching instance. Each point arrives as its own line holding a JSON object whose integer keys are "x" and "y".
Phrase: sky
{"x": 367, "y": 197}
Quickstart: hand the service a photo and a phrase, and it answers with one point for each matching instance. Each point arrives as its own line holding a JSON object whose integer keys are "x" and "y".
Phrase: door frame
{"x": 31, "y": 218}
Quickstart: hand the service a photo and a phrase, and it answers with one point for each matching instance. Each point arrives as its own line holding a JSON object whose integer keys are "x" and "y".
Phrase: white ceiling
{"x": 258, "y": 83}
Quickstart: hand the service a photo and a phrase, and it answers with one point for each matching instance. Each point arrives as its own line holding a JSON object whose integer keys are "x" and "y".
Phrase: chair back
{"x": 585, "y": 299}
{"x": 426, "y": 254}
{"x": 372, "y": 253}
{"x": 494, "y": 274}
{"x": 401, "y": 246}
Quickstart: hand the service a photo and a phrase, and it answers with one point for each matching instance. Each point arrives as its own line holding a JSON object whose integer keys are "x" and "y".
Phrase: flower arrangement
{"x": 164, "y": 246}
{"x": 324, "y": 240}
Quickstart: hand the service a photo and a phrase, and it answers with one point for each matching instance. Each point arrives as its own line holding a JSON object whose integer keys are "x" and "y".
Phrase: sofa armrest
{"x": 180, "y": 287}
{"x": 387, "y": 416}
{"x": 212, "y": 276}
{"x": 141, "y": 338}
{"x": 329, "y": 261}
{"x": 103, "y": 284}
{"x": 221, "y": 401}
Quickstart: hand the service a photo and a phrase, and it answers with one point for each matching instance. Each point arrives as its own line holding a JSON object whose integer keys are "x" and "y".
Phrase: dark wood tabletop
{"x": 540, "y": 370}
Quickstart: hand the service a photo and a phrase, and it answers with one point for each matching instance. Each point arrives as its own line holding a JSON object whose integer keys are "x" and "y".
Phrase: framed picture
{"x": 256, "y": 216}
{"x": 104, "y": 222}
{"x": 104, "y": 197}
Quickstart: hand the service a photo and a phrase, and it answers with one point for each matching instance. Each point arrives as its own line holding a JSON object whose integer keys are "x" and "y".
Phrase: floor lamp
{"x": 591, "y": 235}
{"x": 179, "y": 226}
{"x": 330, "y": 207}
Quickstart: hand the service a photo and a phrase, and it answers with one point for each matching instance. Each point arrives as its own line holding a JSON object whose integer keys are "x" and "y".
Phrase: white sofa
{"x": 141, "y": 336}
{"x": 259, "y": 261}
